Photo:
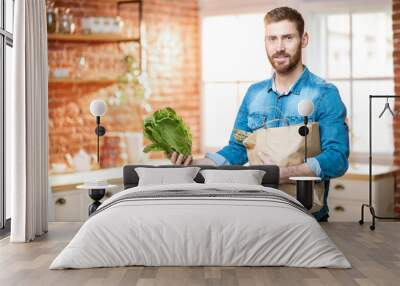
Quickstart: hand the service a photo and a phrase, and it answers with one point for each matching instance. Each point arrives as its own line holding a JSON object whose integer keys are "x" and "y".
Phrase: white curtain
{"x": 26, "y": 117}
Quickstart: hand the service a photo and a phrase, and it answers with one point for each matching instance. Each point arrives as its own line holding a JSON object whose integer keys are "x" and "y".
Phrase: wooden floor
{"x": 375, "y": 257}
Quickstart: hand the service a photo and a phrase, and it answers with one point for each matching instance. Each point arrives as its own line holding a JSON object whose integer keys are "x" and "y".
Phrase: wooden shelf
{"x": 82, "y": 81}
{"x": 127, "y": 1}
{"x": 122, "y": 1}
{"x": 100, "y": 38}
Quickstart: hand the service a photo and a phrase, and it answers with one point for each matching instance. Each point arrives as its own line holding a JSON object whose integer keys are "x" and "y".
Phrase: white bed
{"x": 185, "y": 230}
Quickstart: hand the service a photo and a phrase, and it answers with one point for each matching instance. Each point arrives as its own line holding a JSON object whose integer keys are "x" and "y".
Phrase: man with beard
{"x": 279, "y": 96}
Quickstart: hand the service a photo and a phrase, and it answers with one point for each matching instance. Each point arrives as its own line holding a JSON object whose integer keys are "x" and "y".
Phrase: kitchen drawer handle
{"x": 339, "y": 187}
{"x": 61, "y": 201}
{"x": 339, "y": 209}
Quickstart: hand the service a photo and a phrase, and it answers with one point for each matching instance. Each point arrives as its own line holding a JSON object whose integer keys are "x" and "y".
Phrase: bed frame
{"x": 270, "y": 179}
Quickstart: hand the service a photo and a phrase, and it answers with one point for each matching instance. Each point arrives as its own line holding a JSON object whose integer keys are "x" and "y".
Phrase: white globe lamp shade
{"x": 305, "y": 107}
{"x": 98, "y": 107}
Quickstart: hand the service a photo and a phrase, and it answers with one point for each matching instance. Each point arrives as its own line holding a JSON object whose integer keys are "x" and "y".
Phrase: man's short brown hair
{"x": 285, "y": 13}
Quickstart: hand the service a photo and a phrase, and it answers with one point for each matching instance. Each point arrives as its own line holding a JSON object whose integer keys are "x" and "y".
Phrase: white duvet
{"x": 200, "y": 231}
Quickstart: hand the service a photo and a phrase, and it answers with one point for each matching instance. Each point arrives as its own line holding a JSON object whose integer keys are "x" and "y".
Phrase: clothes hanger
{"x": 387, "y": 106}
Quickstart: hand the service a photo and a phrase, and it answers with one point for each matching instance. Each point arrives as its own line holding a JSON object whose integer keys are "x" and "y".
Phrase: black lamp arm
{"x": 100, "y": 131}
{"x": 303, "y": 131}
{"x": 305, "y": 138}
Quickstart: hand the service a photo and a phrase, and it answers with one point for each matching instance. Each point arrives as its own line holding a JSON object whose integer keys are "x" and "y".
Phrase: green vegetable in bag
{"x": 167, "y": 132}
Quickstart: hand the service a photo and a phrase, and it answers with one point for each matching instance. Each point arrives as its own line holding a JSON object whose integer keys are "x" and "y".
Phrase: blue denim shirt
{"x": 263, "y": 103}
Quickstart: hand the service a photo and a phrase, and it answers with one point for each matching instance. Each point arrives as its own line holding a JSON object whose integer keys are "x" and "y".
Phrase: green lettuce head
{"x": 167, "y": 132}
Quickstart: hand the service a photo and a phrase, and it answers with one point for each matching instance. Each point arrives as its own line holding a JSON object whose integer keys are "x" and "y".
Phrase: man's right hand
{"x": 179, "y": 159}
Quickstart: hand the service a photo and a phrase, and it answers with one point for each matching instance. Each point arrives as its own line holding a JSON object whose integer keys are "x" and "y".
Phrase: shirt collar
{"x": 296, "y": 86}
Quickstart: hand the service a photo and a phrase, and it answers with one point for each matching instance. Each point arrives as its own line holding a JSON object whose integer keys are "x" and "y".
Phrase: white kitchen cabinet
{"x": 349, "y": 192}
{"x": 71, "y": 205}
{"x": 67, "y": 203}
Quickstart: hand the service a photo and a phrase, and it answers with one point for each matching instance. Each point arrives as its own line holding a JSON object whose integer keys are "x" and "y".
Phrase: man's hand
{"x": 289, "y": 171}
{"x": 264, "y": 158}
{"x": 179, "y": 159}
{"x": 267, "y": 161}
{"x": 295, "y": 171}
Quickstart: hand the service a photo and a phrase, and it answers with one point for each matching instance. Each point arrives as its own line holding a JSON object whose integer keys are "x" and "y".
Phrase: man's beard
{"x": 285, "y": 69}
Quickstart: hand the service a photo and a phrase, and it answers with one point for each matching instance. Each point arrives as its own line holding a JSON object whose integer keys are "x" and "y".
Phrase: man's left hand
{"x": 264, "y": 158}
{"x": 283, "y": 176}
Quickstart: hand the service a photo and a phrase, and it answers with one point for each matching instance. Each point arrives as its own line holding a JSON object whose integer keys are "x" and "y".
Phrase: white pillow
{"x": 248, "y": 177}
{"x": 163, "y": 176}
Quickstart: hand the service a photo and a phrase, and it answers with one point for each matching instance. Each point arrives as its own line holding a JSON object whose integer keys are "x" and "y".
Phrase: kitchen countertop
{"x": 69, "y": 181}
{"x": 361, "y": 171}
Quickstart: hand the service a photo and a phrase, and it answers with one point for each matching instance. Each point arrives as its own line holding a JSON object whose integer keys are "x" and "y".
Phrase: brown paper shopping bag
{"x": 284, "y": 146}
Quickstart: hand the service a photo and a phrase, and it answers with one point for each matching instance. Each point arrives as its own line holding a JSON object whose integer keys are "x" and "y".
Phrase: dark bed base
{"x": 270, "y": 179}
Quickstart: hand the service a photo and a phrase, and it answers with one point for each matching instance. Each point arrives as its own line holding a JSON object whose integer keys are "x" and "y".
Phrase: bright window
{"x": 9, "y": 12}
{"x": 233, "y": 58}
{"x": 360, "y": 63}
{"x": 6, "y": 60}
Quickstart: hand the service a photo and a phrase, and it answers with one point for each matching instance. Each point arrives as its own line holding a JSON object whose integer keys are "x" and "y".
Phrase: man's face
{"x": 283, "y": 44}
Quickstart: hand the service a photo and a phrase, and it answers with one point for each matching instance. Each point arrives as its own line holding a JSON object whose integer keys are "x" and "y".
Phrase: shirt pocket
{"x": 256, "y": 120}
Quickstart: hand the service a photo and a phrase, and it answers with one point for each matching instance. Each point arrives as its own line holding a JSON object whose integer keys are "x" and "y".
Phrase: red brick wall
{"x": 173, "y": 65}
{"x": 396, "y": 123}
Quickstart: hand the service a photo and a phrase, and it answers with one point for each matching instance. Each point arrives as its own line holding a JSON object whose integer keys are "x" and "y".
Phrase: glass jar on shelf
{"x": 66, "y": 25}
{"x": 81, "y": 68}
{"x": 51, "y": 17}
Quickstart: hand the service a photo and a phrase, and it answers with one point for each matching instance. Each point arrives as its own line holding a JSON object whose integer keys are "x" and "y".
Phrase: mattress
{"x": 201, "y": 225}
